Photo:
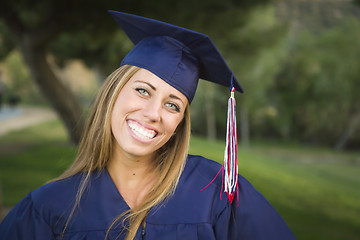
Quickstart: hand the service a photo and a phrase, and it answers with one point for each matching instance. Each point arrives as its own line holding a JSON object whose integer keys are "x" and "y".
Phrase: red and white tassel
{"x": 230, "y": 167}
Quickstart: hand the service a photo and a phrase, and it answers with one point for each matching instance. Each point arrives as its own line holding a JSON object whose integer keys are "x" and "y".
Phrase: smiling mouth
{"x": 141, "y": 131}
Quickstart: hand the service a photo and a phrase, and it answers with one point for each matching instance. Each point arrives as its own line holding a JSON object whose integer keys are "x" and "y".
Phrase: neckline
{"x": 118, "y": 195}
{"x": 114, "y": 188}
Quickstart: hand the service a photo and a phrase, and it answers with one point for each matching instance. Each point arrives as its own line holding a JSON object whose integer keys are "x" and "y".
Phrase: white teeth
{"x": 140, "y": 131}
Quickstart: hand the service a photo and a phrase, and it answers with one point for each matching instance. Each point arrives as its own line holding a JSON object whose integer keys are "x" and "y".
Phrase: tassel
{"x": 230, "y": 167}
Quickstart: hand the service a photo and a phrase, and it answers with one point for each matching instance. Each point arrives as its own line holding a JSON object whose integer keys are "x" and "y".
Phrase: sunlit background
{"x": 298, "y": 120}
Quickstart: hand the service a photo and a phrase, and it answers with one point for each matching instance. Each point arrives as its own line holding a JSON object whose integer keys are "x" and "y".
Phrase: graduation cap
{"x": 180, "y": 57}
{"x": 177, "y": 55}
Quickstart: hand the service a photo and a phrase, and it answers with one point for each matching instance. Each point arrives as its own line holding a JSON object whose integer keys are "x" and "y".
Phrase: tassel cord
{"x": 230, "y": 167}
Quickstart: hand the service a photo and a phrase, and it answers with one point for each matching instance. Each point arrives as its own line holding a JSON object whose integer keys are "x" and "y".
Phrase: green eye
{"x": 142, "y": 91}
{"x": 173, "y": 107}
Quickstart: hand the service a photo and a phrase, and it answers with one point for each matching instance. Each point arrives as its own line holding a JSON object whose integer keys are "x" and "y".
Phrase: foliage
{"x": 20, "y": 84}
{"x": 6, "y": 43}
{"x": 255, "y": 60}
{"x": 317, "y": 90}
{"x": 84, "y": 30}
{"x": 69, "y": 29}
{"x": 301, "y": 83}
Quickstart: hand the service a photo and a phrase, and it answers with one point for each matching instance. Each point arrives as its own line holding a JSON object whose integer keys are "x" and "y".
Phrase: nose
{"x": 152, "y": 111}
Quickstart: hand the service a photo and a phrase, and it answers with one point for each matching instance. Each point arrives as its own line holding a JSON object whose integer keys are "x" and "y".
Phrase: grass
{"x": 31, "y": 157}
{"x": 317, "y": 191}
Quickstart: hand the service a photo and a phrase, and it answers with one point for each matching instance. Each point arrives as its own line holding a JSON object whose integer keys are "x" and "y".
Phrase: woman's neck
{"x": 133, "y": 177}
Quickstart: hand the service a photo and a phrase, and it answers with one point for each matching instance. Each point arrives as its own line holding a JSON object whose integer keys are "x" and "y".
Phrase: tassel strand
{"x": 230, "y": 167}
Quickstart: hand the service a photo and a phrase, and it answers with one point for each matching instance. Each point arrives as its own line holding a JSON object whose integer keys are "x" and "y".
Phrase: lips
{"x": 140, "y": 131}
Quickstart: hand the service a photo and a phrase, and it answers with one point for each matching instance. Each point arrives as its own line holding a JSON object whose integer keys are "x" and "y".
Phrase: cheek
{"x": 118, "y": 113}
{"x": 114, "y": 123}
{"x": 173, "y": 123}
{"x": 115, "y": 113}
{"x": 122, "y": 105}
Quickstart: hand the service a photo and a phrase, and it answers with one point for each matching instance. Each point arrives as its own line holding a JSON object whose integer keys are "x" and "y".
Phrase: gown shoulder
{"x": 252, "y": 217}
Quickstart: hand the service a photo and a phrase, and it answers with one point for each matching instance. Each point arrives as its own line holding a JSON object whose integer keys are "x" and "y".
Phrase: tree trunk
{"x": 244, "y": 128}
{"x": 354, "y": 124}
{"x": 59, "y": 95}
{"x": 32, "y": 42}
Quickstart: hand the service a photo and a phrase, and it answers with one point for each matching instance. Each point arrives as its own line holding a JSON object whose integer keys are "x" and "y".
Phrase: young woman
{"x": 133, "y": 178}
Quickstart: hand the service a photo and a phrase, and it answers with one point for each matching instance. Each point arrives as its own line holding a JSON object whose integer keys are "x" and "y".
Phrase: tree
{"x": 317, "y": 89}
{"x": 81, "y": 29}
{"x": 32, "y": 31}
{"x": 256, "y": 51}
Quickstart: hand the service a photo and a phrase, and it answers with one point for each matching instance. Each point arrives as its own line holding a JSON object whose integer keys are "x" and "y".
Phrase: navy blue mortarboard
{"x": 177, "y": 55}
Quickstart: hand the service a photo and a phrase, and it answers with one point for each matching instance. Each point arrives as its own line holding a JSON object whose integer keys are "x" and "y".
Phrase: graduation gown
{"x": 188, "y": 214}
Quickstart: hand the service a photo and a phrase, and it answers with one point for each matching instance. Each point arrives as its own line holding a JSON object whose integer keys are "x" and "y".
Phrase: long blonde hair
{"x": 96, "y": 148}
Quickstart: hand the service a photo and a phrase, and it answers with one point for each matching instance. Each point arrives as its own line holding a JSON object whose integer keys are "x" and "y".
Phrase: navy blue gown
{"x": 189, "y": 214}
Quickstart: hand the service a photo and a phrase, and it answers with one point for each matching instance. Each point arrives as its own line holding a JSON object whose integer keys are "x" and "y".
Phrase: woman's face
{"x": 146, "y": 113}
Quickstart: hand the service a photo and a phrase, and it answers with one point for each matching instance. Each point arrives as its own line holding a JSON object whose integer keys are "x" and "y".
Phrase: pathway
{"x": 21, "y": 117}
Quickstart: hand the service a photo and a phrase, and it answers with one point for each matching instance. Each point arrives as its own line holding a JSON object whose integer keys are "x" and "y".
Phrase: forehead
{"x": 144, "y": 76}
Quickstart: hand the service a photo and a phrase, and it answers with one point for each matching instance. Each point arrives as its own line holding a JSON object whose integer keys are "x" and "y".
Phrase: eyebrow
{"x": 176, "y": 97}
{"x": 154, "y": 88}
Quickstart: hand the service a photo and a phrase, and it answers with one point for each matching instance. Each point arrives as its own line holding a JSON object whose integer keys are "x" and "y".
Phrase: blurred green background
{"x": 298, "y": 120}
